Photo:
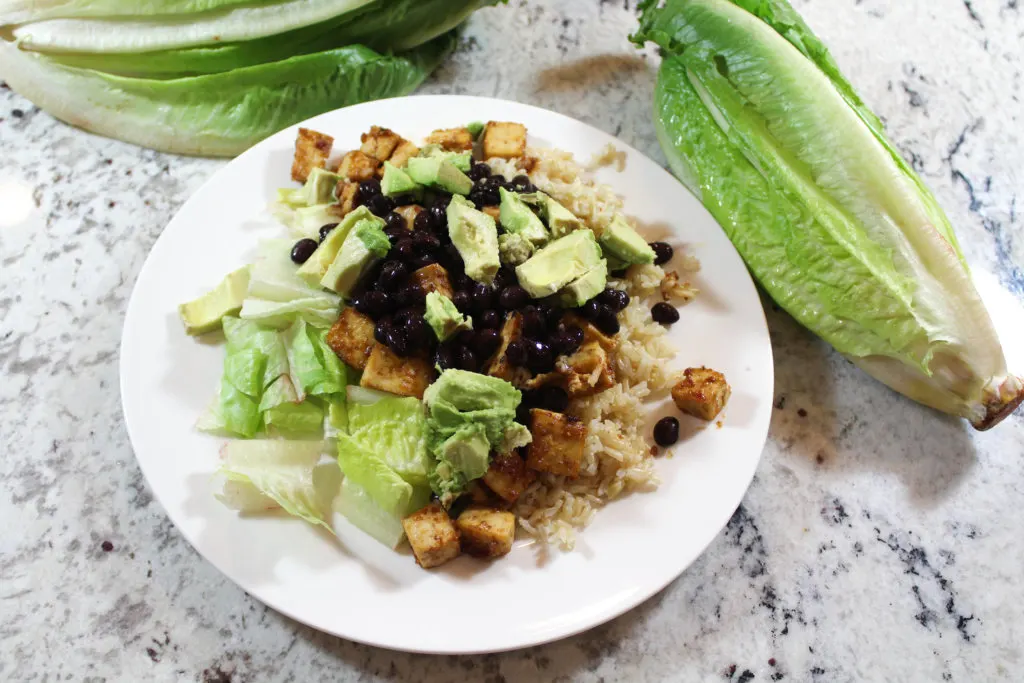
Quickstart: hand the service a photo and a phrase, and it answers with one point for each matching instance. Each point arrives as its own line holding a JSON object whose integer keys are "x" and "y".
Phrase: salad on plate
{"x": 452, "y": 343}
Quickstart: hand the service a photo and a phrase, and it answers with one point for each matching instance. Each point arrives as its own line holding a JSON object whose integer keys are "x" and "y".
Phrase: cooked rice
{"x": 617, "y": 457}
{"x": 609, "y": 156}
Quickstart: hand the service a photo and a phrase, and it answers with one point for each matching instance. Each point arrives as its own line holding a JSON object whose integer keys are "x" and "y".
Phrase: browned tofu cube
{"x": 557, "y": 445}
{"x": 701, "y": 392}
{"x": 492, "y": 211}
{"x": 432, "y": 535}
{"x": 409, "y": 213}
{"x": 311, "y": 151}
{"x": 346, "y": 192}
{"x": 351, "y": 338}
{"x": 499, "y": 365}
{"x": 508, "y": 476}
{"x": 357, "y": 166}
{"x": 386, "y": 371}
{"x": 486, "y": 532}
{"x": 588, "y": 371}
{"x": 504, "y": 139}
{"x": 432, "y": 278}
{"x": 405, "y": 151}
{"x": 452, "y": 139}
{"x": 380, "y": 143}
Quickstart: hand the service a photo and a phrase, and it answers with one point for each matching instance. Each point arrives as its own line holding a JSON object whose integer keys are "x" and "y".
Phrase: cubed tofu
{"x": 405, "y": 151}
{"x": 432, "y": 535}
{"x": 432, "y": 278}
{"x": 409, "y": 213}
{"x": 588, "y": 371}
{"x": 351, "y": 338}
{"x": 492, "y": 211}
{"x": 346, "y": 192}
{"x": 380, "y": 143}
{"x": 701, "y": 392}
{"x": 452, "y": 139}
{"x": 508, "y": 476}
{"x": 557, "y": 445}
{"x": 504, "y": 139}
{"x": 499, "y": 365}
{"x": 311, "y": 151}
{"x": 392, "y": 373}
{"x": 357, "y": 166}
{"x": 486, "y": 532}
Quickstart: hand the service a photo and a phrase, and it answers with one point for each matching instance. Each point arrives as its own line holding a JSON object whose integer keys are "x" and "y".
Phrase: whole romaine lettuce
{"x": 757, "y": 121}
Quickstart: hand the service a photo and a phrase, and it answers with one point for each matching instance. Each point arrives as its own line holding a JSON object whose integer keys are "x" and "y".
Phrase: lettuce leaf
{"x": 395, "y": 428}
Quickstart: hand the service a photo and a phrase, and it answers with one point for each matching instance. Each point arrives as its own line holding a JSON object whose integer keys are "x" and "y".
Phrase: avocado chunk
{"x": 206, "y": 313}
{"x": 365, "y": 243}
{"x": 314, "y": 269}
{"x": 620, "y": 240}
{"x": 443, "y": 317}
{"x": 559, "y": 263}
{"x": 475, "y": 128}
{"x": 560, "y": 220}
{"x": 514, "y": 249}
{"x": 460, "y": 160}
{"x": 585, "y": 287}
{"x": 517, "y": 218}
{"x": 318, "y": 189}
{"x": 440, "y": 173}
{"x": 396, "y": 181}
{"x": 475, "y": 235}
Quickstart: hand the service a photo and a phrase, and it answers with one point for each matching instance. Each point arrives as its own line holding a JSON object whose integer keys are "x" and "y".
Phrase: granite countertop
{"x": 879, "y": 541}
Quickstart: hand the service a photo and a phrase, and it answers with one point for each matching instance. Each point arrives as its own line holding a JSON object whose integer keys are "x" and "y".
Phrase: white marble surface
{"x": 879, "y": 541}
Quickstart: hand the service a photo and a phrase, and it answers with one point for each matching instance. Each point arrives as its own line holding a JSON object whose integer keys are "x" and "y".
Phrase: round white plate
{"x": 359, "y": 589}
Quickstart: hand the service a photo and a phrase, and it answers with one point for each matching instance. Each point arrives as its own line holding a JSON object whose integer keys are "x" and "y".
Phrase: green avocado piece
{"x": 559, "y": 263}
{"x": 475, "y": 128}
{"x": 438, "y": 172}
{"x": 620, "y": 240}
{"x": 314, "y": 269}
{"x": 396, "y": 181}
{"x": 514, "y": 249}
{"x": 318, "y": 189}
{"x": 460, "y": 160}
{"x": 206, "y": 313}
{"x": 365, "y": 243}
{"x": 517, "y": 218}
{"x": 561, "y": 221}
{"x": 443, "y": 317}
{"x": 475, "y": 235}
{"x": 585, "y": 287}
{"x": 468, "y": 451}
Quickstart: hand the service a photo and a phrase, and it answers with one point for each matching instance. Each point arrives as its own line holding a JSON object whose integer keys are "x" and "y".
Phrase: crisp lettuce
{"x": 368, "y": 469}
{"x": 395, "y": 428}
{"x": 358, "y": 507}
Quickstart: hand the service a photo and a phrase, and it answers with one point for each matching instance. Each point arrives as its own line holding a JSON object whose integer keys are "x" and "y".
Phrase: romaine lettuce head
{"x": 757, "y": 121}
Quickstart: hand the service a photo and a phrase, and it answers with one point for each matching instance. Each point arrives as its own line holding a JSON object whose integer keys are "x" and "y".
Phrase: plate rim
{"x": 605, "y": 614}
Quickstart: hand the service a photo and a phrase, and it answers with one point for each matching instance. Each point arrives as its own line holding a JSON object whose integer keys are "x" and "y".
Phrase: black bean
{"x": 483, "y": 297}
{"x": 607, "y": 321}
{"x": 368, "y": 189}
{"x": 662, "y": 252}
{"x": 479, "y": 172}
{"x": 439, "y": 214}
{"x": 463, "y": 282}
{"x": 516, "y": 352}
{"x": 490, "y": 320}
{"x": 664, "y": 313}
{"x": 520, "y": 183}
{"x": 395, "y": 221}
{"x": 551, "y": 315}
{"x": 505, "y": 277}
{"x": 533, "y": 322}
{"x": 523, "y": 414}
{"x": 417, "y": 331}
{"x": 513, "y": 298}
{"x": 424, "y": 221}
{"x": 487, "y": 342}
{"x": 666, "y": 431}
{"x": 395, "y": 235}
{"x": 467, "y": 359}
{"x": 568, "y": 340}
{"x": 405, "y": 250}
{"x": 403, "y": 199}
{"x": 392, "y": 276}
{"x": 423, "y": 261}
{"x": 414, "y": 295}
{"x": 539, "y": 357}
{"x": 591, "y": 309}
{"x": 326, "y": 230}
{"x": 445, "y": 357}
{"x": 462, "y": 301}
{"x": 375, "y": 303}
{"x": 426, "y": 242}
{"x": 615, "y": 299}
{"x": 397, "y": 341}
{"x": 381, "y": 329}
{"x": 303, "y": 249}
{"x": 554, "y": 398}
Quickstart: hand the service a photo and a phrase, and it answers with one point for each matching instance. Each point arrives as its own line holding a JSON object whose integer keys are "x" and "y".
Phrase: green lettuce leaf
{"x": 365, "y": 467}
{"x": 24, "y": 11}
{"x": 358, "y": 507}
{"x": 394, "y": 428}
{"x": 296, "y": 420}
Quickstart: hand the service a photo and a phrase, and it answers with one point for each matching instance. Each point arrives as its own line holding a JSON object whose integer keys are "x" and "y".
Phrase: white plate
{"x": 364, "y": 591}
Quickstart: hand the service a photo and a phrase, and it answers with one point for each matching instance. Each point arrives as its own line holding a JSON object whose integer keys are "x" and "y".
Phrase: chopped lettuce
{"x": 281, "y": 314}
{"x": 273, "y": 276}
{"x": 368, "y": 469}
{"x": 395, "y": 428}
{"x": 359, "y": 507}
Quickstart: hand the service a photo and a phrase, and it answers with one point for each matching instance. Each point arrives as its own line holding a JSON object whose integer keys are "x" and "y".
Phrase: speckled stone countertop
{"x": 878, "y": 541}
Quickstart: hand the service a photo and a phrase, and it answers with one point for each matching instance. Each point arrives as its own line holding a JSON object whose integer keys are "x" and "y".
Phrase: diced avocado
{"x": 440, "y": 173}
{"x": 619, "y": 239}
{"x": 396, "y": 181}
{"x": 443, "y": 317}
{"x": 514, "y": 249}
{"x": 517, "y": 218}
{"x": 475, "y": 235}
{"x": 585, "y": 287}
{"x": 314, "y": 269}
{"x": 559, "y": 263}
{"x": 205, "y": 314}
{"x": 460, "y": 160}
{"x": 561, "y": 221}
{"x": 318, "y": 189}
{"x": 475, "y": 128}
{"x": 468, "y": 451}
{"x": 366, "y": 243}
